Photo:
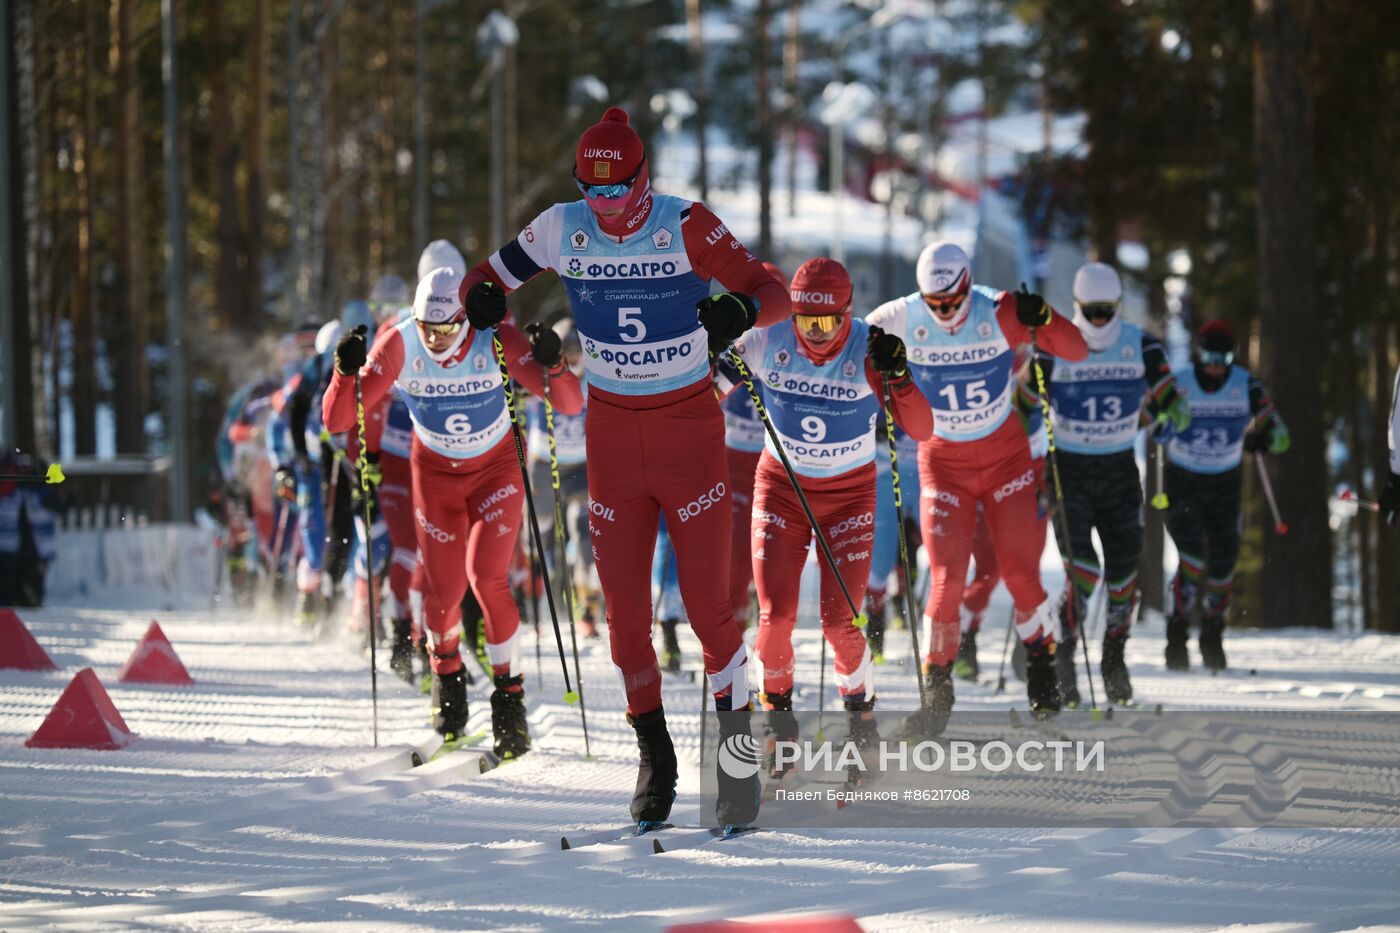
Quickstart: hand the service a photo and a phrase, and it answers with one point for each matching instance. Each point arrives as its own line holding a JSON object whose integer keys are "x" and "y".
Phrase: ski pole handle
{"x": 1280, "y": 526}
{"x": 1351, "y": 498}
{"x": 52, "y": 477}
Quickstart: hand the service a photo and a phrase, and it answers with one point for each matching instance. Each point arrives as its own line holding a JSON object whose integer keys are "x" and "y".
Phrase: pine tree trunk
{"x": 254, "y": 153}
{"x": 1297, "y": 579}
{"x": 129, "y": 349}
{"x": 82, "y": 317}
{"x": 763, "y": 122}
{"x": 1151, "y": 577}
{"x": 229, "y": 293}
{"x": 23, "y": 215}
{"x": 698, "y": 91}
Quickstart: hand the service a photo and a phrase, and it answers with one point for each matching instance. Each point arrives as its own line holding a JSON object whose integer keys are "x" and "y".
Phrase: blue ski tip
{"x": 649, "y": 826}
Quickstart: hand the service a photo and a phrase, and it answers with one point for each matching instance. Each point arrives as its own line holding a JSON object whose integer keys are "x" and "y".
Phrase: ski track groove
{"x": 396, "y": 868}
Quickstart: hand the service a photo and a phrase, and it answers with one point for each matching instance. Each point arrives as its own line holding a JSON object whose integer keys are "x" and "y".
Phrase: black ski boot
{"x": 738, "y": 797}
{"x": 1042, "y": 686}
{"x": 932, "y": 717}
{"x": 449, "y": 699}
{"x": 1065, "y": 673}
{"x": 670, "y": 646}
{"x": 1177, "y": 658}
{"x": 1211, "y": 641}
{"x": 966, "y": 667}
{"x": 782, "y": 727}
{"x": 401, "y": 653}
{"x": 875, "y": 625}
{"x": 1116, "y": 683}
{"x": 509, "y": 728}
{"x": 656, "y": 773}
{"x": 425, "y": 681}
{"x": 860, "y": 723}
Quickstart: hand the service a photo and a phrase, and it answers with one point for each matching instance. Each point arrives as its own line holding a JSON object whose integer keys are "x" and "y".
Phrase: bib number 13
{"x": 974, "y": 395}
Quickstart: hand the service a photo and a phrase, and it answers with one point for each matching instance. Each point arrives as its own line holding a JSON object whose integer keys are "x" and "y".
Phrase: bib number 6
{"x": 458, "y": 424}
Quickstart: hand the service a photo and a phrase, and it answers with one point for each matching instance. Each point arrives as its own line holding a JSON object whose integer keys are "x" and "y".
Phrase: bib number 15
{"x": 974, "y": 395}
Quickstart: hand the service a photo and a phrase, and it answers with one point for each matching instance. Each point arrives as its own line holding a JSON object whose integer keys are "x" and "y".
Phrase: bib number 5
{"x": 630, "y": 326}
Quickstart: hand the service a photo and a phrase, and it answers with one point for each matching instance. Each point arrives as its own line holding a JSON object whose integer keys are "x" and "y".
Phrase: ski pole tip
{"x": 54, "y": 476}
{"x": 861, "y": 620}
{"x": 571, "y": 698}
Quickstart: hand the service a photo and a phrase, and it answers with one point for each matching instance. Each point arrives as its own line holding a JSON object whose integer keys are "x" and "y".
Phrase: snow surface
{"x": 255, "y": 801}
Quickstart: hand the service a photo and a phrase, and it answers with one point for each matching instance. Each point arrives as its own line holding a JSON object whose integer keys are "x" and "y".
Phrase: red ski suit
{"x": 996, "y": 470}
{"x": 655, "y": 434}
{"x": 467, "y": 510}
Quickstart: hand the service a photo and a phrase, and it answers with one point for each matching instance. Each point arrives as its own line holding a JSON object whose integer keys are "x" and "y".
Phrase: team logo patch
{"x": 984, "y": 330}
{"x": 414, "y": 386}
{"x": 661, "y": 239}
{"x": 775, "y": 380}
{"x": 578, "y": 240}
{"x": 916, "y": 354}
{"x": 849, "y": 369}
{"x": 1127, "y": 353}
{"x": 479, "y": 363}
{"x": 782, "y": 358}
{"x": 591, "y": 349}
{"x": 418, "y": 365}
{"x": 921, "y": 333}
{"x": 602, "y": 169}
{"x": 575, "y": 267}
{"x": 585, "y": 294}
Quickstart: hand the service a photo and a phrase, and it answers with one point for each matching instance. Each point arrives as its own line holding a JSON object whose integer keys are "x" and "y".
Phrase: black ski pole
{"x": 369, "y": 555}
{"x": 908, "y": 587}
{"x": 1062, "y": 518}
{"x": 570, "y": 696}
{"x": 1005, "y": 651}
{"x": 561, "y": 541}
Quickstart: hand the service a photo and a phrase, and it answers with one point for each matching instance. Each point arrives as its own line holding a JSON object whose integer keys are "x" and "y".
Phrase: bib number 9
{"x": 813, "y": 429}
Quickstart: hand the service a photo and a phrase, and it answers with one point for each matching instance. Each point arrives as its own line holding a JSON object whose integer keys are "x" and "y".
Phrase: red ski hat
{"x": 609, "y": 151}
{"x": 1216, "y": 335}
{"x": 821, "y": 286}
{"x": 776, "y": 273}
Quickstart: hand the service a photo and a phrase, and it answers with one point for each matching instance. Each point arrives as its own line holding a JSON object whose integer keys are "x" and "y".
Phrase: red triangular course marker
{"x": 155, "y": 662}
{"x": 83, "y": 717}
{"x": 18, "y": 649}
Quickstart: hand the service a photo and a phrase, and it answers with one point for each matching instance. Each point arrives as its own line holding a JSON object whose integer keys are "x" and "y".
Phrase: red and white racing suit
{"x": 467, "y": 494}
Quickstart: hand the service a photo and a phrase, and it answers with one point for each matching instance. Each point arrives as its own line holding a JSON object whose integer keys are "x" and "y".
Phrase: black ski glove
{"x": 1390, "y": 499}
{"x": 486, "y": 305}
{"x": 1257, "y": 442}
{"x": 725, "y": 317}
{"x": 351, "y": 352}
{"x": 545, "y": 345}
{"x": 886, "y": 352}
{"x": 1031, "y": 309}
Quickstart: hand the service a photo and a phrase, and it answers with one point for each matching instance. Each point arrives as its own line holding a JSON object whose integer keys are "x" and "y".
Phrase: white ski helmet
{"x": 437, "y": 300}
{"x": 1097, "y": 288}
{"x": 944, "y": 271}
{"x": 1097, "y": 283}
{"x": 390, "y": 289}
{"x": 440, "y": 253}
{"x": 328, "y": 336}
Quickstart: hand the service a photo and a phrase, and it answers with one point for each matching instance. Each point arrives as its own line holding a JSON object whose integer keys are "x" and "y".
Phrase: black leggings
{"x": 1104, "y": 492}
{"x": 1204, "y": 520}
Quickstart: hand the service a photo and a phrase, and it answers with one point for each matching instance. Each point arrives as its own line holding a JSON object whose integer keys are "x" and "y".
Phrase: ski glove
{"x": 286, "y": 484}
{"x": 545, "y": 344}
{"x": 485, "y": 303}
{"x": 1389, "y": 500}
{"x": 1178, "y": 414}
{"x": 351, "y": 352}
{"x": 886, "y": 352}
{"x": 371, "y": 469}
{"x": 1031, "y": 309}
{"x": 725, "y": 317}
{"x": 1271, "y": 439}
